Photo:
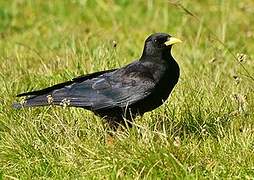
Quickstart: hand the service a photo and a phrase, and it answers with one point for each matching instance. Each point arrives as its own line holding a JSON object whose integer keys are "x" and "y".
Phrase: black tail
{"x": 43, "y": 97}
{"x": 41, "y": 100}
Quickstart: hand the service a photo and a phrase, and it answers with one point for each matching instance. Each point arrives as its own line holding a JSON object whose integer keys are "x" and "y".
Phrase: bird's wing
{"x": 122, "y": 91}
{"x": 119, "y": 88}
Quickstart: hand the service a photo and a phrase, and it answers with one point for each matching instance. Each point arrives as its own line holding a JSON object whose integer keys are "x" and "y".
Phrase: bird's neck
{"x": 150, "y": 55}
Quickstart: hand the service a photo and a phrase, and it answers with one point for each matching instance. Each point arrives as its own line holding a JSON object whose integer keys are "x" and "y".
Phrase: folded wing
{"x": 108, "y": 89}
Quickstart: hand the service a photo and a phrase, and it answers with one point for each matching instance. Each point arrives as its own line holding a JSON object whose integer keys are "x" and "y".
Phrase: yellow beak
{"x": 172, "y": 41}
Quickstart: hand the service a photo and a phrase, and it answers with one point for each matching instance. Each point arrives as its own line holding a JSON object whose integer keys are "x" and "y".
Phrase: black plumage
{"x": 118, "y": 93}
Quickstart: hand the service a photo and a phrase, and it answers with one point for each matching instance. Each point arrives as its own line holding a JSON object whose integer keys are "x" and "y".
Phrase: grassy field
{"x": 205, "y": 129}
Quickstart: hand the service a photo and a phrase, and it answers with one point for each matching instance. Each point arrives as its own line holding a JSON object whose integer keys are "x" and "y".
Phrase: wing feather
{"x": 109, "y": 89}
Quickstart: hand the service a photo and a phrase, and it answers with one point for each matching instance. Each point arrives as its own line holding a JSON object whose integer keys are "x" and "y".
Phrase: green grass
{"x": 205, "y": 130}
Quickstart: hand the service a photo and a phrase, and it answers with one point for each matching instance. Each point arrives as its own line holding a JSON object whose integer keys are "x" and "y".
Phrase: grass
{"x": 205, "y": 130}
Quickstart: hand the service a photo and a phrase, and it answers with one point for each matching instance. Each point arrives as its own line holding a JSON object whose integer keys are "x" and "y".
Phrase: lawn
{"x": 205, "y": 129}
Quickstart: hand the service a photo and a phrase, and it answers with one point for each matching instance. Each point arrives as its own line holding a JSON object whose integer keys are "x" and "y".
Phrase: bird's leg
{"x": 109, "y": 140}
{"x": 113, "y": 124}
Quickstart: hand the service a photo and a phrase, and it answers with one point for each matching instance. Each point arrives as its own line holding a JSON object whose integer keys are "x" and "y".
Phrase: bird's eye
{"x": 155, "y": 40}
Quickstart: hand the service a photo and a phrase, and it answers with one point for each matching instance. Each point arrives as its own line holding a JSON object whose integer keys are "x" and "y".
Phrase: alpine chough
{"x": 118, "y": 94}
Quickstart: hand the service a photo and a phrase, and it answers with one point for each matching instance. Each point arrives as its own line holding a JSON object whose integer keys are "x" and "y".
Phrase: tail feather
{"x": 46, "y": 100}
{"x": 61, "y": 95}
{"x": 32, "y": 101}
{"x": 17, "y": 105}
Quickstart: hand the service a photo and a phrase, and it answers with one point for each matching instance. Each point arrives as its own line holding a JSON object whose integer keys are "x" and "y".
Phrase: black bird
{"x": 120, "y": 93}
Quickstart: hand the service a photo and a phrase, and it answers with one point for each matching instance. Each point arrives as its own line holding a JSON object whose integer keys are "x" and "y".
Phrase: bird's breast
{"x": 166, "y": 78}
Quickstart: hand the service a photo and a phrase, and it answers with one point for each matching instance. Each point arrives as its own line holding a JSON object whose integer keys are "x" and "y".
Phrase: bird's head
{"x": 159, "y": 43}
